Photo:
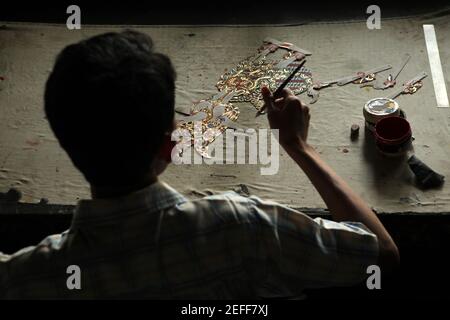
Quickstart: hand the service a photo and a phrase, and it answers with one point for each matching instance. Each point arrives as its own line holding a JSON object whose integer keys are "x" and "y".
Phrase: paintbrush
{"x": 277, "y": 92}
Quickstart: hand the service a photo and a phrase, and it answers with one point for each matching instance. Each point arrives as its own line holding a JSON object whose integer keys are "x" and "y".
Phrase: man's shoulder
{"x": 223, "y": 206}
{"x": 226, "y": 196}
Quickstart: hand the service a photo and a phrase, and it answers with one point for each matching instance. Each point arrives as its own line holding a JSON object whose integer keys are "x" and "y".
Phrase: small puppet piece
{"x": 271, "y": 45}
{"x": 410, "y": 86}
{"x": 425, "y": 176}
{"x": 391, "y": 79}
{"x": 357, "y": 78}
{"x": 362, "y": 77}
{"x": 251, "y": 74}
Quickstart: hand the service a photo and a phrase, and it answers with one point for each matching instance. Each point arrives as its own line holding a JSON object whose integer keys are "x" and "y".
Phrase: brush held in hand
{"x": 277, "y": 92}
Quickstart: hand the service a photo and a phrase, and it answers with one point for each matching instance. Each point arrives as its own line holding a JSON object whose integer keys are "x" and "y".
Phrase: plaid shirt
{"x": 154, "y": 243}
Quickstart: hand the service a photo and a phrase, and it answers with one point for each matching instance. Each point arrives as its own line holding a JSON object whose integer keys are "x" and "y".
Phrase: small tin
{"x": 379, "y": 108}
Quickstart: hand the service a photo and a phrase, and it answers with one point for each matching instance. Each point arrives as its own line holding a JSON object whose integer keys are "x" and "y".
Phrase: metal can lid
{"x": 381, "y": 106}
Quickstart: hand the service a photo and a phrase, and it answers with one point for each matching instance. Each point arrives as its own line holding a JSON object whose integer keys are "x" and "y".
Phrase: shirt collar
{"x": 155, "y": 197}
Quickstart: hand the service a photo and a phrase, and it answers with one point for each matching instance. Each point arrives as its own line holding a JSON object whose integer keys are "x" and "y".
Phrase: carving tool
{"x": 281, "y": 87}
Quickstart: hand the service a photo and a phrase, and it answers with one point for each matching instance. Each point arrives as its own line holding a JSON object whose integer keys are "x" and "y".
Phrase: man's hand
{"x": 287, "y": 114}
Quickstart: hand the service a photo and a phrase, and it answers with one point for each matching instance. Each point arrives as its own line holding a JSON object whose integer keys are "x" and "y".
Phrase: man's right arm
{"x": 343, "y": 203}
{"x": 291, "y": 117}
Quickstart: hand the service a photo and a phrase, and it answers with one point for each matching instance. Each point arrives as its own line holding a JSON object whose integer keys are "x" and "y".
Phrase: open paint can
{"x": 379, "y": 108}
{"x": 393, "y": 135}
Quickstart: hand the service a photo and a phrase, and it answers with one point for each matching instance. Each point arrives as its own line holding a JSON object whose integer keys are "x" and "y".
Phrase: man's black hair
{"x": 110, "y": 102}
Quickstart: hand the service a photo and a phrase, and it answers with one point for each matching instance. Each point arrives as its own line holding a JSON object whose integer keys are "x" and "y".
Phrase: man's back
{"x": 154, "y": 243}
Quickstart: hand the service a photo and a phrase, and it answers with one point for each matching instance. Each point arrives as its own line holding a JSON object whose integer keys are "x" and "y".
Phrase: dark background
{"x": 213, "y": 11}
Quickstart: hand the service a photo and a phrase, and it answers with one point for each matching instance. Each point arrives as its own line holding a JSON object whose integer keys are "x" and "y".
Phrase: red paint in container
{"x": 393, "y": 135}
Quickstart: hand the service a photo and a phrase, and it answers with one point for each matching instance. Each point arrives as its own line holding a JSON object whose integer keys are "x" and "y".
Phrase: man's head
{"x": 110, "y": 102}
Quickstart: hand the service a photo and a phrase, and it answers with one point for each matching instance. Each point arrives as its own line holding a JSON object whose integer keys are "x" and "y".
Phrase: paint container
{"x": 393, "y": 135}
{"x": 377, "y": 109}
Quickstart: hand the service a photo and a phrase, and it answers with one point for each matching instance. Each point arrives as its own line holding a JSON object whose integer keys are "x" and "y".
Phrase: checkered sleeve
{"x": 9, "y": 263}
{"x": 312, "y": 253}
{"x": 5, "y": 268}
